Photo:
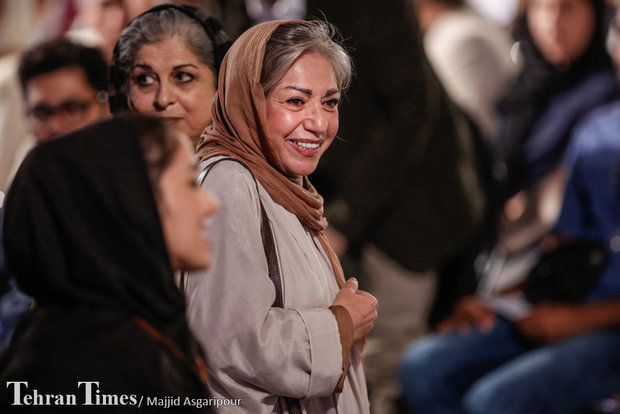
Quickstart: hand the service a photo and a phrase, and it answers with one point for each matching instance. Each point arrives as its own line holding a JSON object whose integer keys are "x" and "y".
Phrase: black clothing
{"x": 54, "y": 348}
{"x": 82, "y": 236}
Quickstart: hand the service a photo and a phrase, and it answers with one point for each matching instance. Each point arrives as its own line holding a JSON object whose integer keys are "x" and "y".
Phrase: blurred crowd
{"x": 473, "y": 187}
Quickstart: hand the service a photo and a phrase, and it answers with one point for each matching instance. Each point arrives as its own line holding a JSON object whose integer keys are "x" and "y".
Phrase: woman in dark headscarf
{"x": 566, "y": 74}
{"x": 493, "y": 356}
{"x": 286, "y": 324}
{"x": 95, "y": 224}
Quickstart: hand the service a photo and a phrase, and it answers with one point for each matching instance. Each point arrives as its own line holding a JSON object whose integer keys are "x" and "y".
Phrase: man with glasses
{"x": 64, "y": 86}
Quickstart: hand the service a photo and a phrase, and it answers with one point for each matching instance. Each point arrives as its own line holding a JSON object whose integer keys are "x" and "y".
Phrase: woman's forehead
{"x": 167, "y": 49}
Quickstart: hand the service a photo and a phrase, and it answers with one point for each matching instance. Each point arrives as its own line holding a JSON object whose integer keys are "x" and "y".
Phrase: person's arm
{"x": 250, "y": 344}
{"x": 469, "y": 311}
{"x": 551, "y": 322}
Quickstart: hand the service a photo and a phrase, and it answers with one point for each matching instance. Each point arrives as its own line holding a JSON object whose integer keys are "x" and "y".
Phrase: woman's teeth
{"x": 306, "y": 145}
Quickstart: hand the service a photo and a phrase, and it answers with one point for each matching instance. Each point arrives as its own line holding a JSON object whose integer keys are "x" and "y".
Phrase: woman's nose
{"x": 316, "y": 121}
{"x": 164, "y": 96}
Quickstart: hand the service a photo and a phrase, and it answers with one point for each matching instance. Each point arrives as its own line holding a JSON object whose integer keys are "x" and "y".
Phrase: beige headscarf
{"x": 239, "y": 130}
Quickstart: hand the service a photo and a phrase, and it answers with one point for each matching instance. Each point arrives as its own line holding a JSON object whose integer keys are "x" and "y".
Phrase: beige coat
{"x": 256, "y": 352}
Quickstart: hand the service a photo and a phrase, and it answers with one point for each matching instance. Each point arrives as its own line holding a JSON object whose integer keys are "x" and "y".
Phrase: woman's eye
{"x": 295, "y": 101}
{"x": 144, "y": 79}
{"x": 332, "y": 103}
{"x": 184, "y": 77}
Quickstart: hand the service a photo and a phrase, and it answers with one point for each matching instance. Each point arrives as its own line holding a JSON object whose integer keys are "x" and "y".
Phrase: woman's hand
{"x": 469, "y": 311}
{"x": 362, "y": 307}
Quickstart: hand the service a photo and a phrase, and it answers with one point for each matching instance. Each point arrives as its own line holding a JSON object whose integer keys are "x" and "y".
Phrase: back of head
{"x": 82, "y": 224}
{"x": 61, "y": 53}
{"x": 203, "y": 34}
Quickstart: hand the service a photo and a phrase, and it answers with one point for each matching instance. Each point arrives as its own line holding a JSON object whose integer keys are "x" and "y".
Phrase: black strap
{"x": 273, "y": 266}
{"x": 266, "y": 234}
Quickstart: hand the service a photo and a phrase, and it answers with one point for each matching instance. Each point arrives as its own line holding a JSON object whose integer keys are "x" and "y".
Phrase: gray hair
{"x": 291, "y": 40}
{"x": 159, "y": 25}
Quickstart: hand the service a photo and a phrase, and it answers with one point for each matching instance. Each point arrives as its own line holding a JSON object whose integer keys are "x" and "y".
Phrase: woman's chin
{"x": 301, "y": 168}
{"x": 194, "y": 264}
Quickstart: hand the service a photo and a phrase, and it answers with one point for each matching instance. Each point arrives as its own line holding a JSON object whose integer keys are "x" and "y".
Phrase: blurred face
{"x": 62, "y": 101}
{"x": 185, "y": 208}
{"x": 168, "y": 81}
{"x": 561, "y": 29}
{"x": 109, "y": 18}
{"x": 302, "y": 114}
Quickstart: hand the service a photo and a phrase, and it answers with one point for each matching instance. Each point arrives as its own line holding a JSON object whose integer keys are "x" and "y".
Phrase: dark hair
{"x": 290, "y": 40}
{"x": 159, "y": 142}
{"x": 61, "y": 53}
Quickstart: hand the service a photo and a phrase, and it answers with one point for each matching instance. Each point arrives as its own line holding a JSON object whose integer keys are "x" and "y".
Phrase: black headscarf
{"x": 540, "y": 81}
{"x": 82, "y": 228}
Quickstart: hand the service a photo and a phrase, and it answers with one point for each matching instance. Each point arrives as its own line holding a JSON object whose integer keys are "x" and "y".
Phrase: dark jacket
{"x": 406, "y": 175}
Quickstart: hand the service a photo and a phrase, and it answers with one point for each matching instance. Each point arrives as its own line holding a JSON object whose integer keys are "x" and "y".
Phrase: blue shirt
{"x": 591, "y": 207}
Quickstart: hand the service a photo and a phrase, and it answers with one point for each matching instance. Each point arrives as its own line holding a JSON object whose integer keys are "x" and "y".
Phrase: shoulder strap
{"x": 197, "y": 366}
{"x": 266, "y": 234}
{"x": 269, "y": 245}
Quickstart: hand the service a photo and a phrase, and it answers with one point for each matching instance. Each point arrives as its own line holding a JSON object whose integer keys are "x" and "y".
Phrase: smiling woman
{"x": 287, "y": 325}
{"x": 303, "y": 121}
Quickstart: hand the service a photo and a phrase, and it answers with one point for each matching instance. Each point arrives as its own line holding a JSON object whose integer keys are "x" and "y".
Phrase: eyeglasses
{"x": 69, "y": 111}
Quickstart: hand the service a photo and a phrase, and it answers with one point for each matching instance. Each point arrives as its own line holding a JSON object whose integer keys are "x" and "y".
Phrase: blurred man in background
{"x": 64, "y": 86}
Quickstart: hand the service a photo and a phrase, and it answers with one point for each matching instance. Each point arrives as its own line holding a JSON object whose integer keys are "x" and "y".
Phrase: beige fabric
{"x": 471, "y": 57}
{"x": 14, "y": 135}
{"x": 256, "y": 352}
{"x": 405, "y": 299}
